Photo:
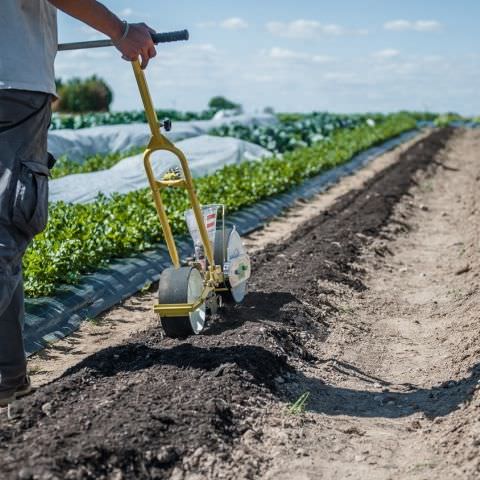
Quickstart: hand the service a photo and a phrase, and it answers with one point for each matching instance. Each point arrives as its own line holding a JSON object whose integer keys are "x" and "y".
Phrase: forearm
{"x": 134, "y": 42}
{"x": 94, "y": 14}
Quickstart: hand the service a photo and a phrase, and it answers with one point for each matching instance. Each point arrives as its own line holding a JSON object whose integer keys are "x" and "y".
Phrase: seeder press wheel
{"x": 182, "y": 285}
{"x": 185, "y": 285}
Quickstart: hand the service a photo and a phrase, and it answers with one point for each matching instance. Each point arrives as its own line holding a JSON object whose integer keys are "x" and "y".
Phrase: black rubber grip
{"x": 180, "y": 36}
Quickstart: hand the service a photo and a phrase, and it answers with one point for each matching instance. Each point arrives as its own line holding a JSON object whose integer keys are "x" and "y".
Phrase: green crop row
{"x": 81, "y": 238}
{"x": 293, "y": 132}
{"x": 447, "y": 119}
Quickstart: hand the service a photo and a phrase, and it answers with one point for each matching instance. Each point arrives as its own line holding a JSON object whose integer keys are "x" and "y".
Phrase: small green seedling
{"x": 427, "y": 187}
{"x": 146, "y": 288}
{"x": 34, "y": 370}
{"x": 298, "y": 407}
{"x": 347, "y": 310}
{"x": 95, "y": 321}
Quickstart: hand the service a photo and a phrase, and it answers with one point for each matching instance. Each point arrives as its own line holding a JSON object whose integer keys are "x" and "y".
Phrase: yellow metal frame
{"x": 158, "y": 142}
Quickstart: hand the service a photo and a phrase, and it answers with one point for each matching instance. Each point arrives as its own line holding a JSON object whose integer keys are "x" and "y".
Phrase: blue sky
{"x": 303, "y": 55}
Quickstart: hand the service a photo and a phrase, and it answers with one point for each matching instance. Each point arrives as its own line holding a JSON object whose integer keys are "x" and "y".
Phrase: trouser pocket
{"x": 30, "y": 206}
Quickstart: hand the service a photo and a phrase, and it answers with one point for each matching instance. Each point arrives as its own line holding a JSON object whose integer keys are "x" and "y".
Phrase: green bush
{"x": 446, "y": 119}
{"x": 424, "y": 116}
{"x": 81, "y": 96}
{"x": 221, "y": 103}
{"x": 81, "y": 238}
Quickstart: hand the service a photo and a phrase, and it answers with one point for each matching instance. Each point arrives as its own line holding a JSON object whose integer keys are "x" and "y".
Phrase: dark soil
{"x": 156, "y": 408}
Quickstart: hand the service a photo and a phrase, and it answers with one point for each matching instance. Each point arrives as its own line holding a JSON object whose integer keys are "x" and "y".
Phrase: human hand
{"x": 137, "y": 43}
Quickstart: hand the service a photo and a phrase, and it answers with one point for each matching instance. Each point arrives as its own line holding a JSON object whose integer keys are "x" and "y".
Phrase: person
{"x": 28, "y": 45}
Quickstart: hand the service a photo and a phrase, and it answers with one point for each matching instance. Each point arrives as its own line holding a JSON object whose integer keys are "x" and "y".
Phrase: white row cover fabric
{"x": 205, "y": 155}
{"x": 85, "y": 142}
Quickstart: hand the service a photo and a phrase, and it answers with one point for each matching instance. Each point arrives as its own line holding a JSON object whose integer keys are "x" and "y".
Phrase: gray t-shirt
{"x": 28, "y": 45}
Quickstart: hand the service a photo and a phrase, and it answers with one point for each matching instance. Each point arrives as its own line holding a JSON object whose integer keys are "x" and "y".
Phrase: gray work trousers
{"x": 24, "y": 169}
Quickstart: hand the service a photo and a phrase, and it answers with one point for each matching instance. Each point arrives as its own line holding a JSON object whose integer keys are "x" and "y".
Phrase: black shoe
{"x": 22, "y": 391}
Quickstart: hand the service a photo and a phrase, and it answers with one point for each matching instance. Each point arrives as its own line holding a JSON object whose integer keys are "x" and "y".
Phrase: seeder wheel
{"x": 228, "y": 247}
{"x": 182, "y": 285}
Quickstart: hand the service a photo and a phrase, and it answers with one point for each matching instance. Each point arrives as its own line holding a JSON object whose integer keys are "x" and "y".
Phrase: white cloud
{"x": 321, "y": 59}
{"x": 277, "y": 53}
{"x": 428, "y": 25}
{"x": 262, "y": 78}
{"x": 386, "y": 53}
{"x": 417, "y": 26}
{"x": 126, "y": 12}
{"x": 308, "y": 29}
{"x": 188, "y": 58}
{"x": 346, "y": 78}
{"x": 234, "y": 23}
{"x": 336, "y": 76}
{"x": 203, "y": 47}
{"x": 85, "y": 62}
{"x": 89, "y": 34}
{"x": 285, "y": 54}
{"x": 433, "y": 59}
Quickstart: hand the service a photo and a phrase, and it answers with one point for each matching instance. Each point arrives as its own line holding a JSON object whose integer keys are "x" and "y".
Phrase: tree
{"x": 221, "y": 103}
{"x": 82, "y": 96}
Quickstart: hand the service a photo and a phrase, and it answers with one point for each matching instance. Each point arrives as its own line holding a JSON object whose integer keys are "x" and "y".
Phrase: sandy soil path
{"x": 396, "y": 368}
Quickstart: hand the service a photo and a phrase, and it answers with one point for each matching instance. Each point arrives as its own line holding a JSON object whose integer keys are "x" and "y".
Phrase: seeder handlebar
{"x": 180, "y": 36}
{"x": 167, "y": 37}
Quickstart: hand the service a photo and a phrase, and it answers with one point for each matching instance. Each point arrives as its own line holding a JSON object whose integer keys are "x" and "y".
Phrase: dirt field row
{"x": 370, "y": 307}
